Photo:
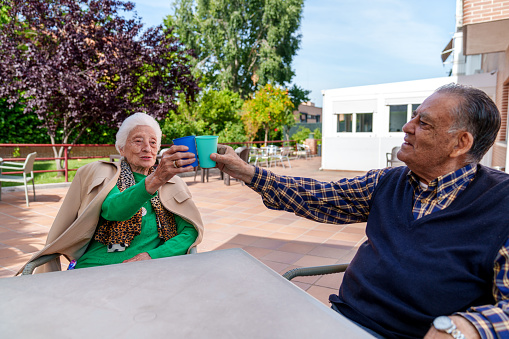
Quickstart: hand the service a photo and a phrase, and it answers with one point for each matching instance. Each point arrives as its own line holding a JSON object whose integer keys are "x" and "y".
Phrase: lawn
{"x": 53, "y": 177}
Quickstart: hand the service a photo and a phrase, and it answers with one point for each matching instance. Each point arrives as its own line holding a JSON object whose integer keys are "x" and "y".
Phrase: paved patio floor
{"x": 234, "y": 216}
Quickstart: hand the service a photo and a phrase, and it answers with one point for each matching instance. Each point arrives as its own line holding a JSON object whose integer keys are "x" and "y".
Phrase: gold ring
{"x": 175, "y": 164}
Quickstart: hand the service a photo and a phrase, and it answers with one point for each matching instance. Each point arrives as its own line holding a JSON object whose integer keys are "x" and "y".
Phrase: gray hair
{"x": 137, "y": 119}
{"x": 476, "y": 114}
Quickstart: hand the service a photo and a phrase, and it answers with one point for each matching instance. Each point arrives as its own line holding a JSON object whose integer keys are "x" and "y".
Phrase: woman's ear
{"x": 464, "y": 143}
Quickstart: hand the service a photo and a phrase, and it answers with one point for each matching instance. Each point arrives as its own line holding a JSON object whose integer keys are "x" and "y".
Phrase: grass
{"x": 53, "y": 177}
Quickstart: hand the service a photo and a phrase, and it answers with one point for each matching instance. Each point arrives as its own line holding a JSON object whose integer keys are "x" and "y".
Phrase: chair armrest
{"x": 315, "y": 270}
{"x": 31, "y": 266}
{"x": 11, "y": 166}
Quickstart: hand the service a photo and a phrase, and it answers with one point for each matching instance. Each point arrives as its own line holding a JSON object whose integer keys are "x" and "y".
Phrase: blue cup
{"x": 190, "y": 142}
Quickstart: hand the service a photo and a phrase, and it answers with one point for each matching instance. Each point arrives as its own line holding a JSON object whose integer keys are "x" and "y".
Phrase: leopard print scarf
{"x": 117, "y": 235}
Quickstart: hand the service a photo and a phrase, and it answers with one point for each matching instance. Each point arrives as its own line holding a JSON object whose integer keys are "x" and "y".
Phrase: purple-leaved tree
{"x": 79, "y": 62}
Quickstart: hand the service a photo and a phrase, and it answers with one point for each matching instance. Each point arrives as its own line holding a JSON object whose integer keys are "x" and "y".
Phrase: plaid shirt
{"x": 347, "y": 201}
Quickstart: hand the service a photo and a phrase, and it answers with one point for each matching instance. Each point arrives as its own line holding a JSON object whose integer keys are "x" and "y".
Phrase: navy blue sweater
{"x": 410, "y": 271}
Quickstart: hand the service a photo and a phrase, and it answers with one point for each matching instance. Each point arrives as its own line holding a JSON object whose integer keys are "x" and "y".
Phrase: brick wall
{"x": 477, "y": 11}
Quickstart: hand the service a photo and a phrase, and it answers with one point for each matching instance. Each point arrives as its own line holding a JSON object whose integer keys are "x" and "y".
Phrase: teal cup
{"x": 188, "y": 141}
{"x": 206, "y": 145}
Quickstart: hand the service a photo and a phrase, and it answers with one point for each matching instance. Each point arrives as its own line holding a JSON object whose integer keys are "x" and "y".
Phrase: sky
{"x": 348, "y": 43}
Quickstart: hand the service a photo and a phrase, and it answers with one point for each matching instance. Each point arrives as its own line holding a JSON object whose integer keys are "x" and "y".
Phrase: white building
{"x": 361, "y": 124}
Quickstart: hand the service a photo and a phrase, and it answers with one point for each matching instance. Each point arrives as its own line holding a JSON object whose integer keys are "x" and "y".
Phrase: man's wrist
{"x": 446, "y": 325}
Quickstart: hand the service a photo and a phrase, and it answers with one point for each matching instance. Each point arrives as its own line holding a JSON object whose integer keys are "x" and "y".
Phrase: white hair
{"x": 137, "y": 119}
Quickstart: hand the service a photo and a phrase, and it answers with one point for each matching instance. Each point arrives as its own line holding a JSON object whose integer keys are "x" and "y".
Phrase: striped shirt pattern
{"x": 348, "y": 201}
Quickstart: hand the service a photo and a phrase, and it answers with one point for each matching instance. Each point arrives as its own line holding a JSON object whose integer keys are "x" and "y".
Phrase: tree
{"x": 76, "y": 63}
{"x": 270, "y": 107}
{"x": 240, "y": 43}
{"x": 214, "y": 112}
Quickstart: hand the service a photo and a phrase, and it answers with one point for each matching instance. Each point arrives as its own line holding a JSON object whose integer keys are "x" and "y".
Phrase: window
{"x": 364, "y": 122}
{"x": 345, "y": 122}
{"x": 317, "y": 118}
{"x": 303, "y": 117}
{"x": 397, "y": 117}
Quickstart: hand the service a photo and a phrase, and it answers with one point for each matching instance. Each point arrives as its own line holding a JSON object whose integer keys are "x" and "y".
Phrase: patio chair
{"x": 32, "y": 265}
{"x": 303, "y": 151}
{"x": 392, "y": 158}
{"x": 27, "y": 168}
{"x": 262, "y": 155}
{"x": 315, "y": 270}
{"x": 282, "y": 154}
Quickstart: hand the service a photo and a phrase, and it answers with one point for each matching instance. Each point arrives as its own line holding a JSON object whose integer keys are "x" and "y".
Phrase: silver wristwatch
{"x": 445, "y": 324}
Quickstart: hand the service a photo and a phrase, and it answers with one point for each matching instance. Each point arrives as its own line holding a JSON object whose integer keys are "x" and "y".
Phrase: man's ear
{"x": 464, "y": 143}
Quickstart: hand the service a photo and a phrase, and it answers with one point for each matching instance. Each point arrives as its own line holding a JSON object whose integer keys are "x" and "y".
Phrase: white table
{"x": 219, "y": 294}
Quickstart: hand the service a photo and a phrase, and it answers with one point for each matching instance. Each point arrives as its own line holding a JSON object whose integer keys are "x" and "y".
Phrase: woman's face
{"x": 140, "y": 149}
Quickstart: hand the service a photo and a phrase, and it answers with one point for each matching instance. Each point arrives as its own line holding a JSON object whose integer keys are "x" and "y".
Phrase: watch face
{"x": 442, "y": 323}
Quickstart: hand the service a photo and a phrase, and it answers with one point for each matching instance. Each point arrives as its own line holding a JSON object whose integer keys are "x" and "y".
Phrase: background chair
{"x": 315, "y": 270}
{"x": 303, "y": 151}
{"x": 281, "y": 154}
{"x": 392, "y": 158}
{"x": 27, "y": 168}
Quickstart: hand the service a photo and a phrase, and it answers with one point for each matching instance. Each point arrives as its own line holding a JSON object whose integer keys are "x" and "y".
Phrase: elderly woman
{"x": 131, "y": 211}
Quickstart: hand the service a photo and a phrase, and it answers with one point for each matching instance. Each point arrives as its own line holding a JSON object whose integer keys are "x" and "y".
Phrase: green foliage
{"x": 20, "y": 128}
{"x": 270, "y": 108}
{"x": 215, "y": 113}
{"x": 318, "y": 135}
{"x": 240, "y": 44}
{"x": 4, "y": 17}
{"x": 298, "y": 95}
{"x": 232, "y": 132}
{"x": 301, "y": 134}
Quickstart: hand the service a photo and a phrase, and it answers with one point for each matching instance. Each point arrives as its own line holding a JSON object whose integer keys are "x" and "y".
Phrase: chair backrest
{"x": 244, "y": 155}
{"x": 394, "y": 153}
{"x": 28, "y": 167}
{"x": 286, "y": 150}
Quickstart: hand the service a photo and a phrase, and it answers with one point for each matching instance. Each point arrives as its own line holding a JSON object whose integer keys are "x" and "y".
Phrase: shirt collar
{"x": 448, "y": 182}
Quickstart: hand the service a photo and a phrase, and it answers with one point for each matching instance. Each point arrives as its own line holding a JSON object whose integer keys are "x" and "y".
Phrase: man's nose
{"x": 408, "y": 127}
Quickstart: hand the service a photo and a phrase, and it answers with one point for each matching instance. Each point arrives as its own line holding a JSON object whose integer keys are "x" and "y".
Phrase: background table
{"x": 218, "y": 294}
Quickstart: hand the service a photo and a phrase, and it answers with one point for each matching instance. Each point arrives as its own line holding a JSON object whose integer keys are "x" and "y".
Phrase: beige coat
{"x": 77, "y": 219}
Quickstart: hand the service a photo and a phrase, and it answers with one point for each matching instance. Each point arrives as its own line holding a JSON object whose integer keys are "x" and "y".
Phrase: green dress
{"x": 122, "y": 206}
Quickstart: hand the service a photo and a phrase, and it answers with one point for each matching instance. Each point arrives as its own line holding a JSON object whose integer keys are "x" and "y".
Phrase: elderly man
{"x": 437, "y": 256}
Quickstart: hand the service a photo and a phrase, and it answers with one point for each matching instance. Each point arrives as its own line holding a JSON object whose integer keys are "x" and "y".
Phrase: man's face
{"x": 428, "y": 142}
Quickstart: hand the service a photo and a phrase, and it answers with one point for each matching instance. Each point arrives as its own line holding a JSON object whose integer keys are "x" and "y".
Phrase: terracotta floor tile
{"x": 311, "y": 260}
{"x": 218, "y": 236}
{"x": 320, "y": 234}
{"x": 355, "y": 230}
{"x": 260, "y": 218}
{"x": 335, "y": 252}
{"x": 283, "y": 257}
{"x": 272, "y": 244}
{"x": 294, "y": 230}
{"x": 330, "y": 280}
{"x": 248, "y": 223}
{"x": 256, "y": 252}
{"x": 297, "y": 247}
{"x": 322, "y": 293}
{"x": 284, "y": 236}
{"x": 258, "y": 232}
{"x": 276, "y": 266}
{"x": 242, "y": 239}
{"x": 303, "y": 286}
{"x": 347, "y": 236}
{"x": 270, "y": 227}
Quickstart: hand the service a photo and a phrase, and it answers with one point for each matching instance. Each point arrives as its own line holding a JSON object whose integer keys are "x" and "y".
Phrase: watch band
{"x": 445, "y": 324}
